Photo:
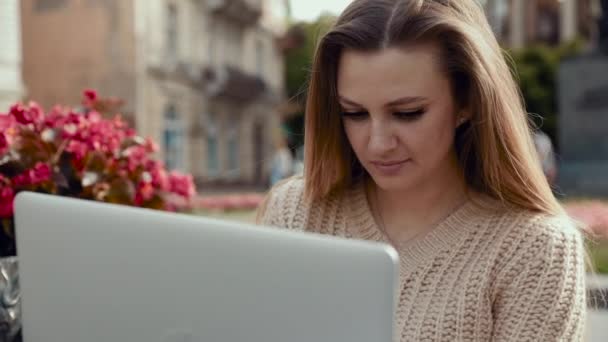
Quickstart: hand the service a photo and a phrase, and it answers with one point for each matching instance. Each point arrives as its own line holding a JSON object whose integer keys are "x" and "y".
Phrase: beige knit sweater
{"x": 486, "y": 273}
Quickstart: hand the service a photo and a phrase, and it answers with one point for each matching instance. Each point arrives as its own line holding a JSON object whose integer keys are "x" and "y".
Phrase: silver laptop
{"x": 95, "y": 272}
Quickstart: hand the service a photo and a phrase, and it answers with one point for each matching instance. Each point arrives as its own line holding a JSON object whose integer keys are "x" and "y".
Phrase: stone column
{"x": 517, "y": 37}
{"x": 11, "y": 81}
{"x": 568, "y": 20}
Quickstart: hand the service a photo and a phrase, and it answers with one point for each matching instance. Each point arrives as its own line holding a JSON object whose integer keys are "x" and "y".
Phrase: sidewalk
{"x": 229, "y": 202}
{"x": 597, "y": 320}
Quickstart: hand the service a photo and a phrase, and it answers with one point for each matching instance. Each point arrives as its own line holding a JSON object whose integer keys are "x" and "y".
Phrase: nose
{"x": 381, "y": 139}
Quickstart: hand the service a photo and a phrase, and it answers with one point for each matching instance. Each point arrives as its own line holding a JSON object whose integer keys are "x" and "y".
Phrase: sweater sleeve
{"x": 541, "y": 294}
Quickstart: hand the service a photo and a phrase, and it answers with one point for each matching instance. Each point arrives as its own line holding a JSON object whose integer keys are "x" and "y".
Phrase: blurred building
{"x": 518, "y": 23}
{"x": 11, "y": 84}
{"x": 204, "y": 78}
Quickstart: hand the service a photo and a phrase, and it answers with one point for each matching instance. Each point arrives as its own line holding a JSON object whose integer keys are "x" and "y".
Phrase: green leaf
{"x": 11, "y": 166}
{"x": 122, "y": 191}
{"x": 132, "y": 141}
{"x": 95, "y": 162}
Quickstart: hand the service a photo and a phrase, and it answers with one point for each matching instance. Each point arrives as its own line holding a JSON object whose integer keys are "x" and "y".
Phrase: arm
{"x": 541, "y": 295}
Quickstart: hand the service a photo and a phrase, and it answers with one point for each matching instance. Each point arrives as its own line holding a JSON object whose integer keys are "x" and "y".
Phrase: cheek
{"x": 433, "y": 140}
{"x": 355, "y": 133}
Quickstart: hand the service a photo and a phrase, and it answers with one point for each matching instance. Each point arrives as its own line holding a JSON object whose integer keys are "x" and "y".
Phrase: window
{"x": 259, "y": 57}
{"x": 173, "y": 139}
{"x": 172, "y": 33}
{"x": 212, "y": 161}
{"x": 211, "y": 46}
{"x": 233, "y": 45}
{"x": 233, "y": 153}
{"x": 212, "y": 158}
{"x": 49, "y": 5}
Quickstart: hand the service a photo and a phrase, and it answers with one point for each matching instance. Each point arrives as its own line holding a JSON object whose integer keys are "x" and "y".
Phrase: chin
{"x": 394, "y": 183}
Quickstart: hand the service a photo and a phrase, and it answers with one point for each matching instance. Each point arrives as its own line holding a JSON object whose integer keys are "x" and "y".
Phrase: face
{"x": 399, "y": 115}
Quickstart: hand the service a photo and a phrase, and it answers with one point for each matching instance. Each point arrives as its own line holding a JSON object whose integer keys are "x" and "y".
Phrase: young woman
{"x": 416, "y": 136}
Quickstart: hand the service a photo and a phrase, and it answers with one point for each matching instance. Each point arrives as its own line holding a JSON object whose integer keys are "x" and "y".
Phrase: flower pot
{"x": 10, "y": 300}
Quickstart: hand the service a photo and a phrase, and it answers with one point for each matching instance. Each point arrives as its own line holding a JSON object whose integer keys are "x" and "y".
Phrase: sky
{"x": 310, "y": 9}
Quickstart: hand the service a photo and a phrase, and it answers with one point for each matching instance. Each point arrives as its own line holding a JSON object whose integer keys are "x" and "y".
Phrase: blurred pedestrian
{"x": 282, "y": 161}
{"x": 546, "y": 154}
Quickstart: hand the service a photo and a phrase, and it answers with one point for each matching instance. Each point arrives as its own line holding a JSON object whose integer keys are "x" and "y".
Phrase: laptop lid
{"x": 94, "y": 272}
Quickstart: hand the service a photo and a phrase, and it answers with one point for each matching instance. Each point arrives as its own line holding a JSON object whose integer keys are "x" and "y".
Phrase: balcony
{"x": 244, "y": 12}
{"x": 234, "y": 85}
{"x": 185, "y": 73}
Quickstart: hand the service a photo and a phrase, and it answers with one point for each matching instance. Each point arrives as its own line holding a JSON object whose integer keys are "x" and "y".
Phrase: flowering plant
{"x": 593, "y": 214}
{"x": 89, "y": 154}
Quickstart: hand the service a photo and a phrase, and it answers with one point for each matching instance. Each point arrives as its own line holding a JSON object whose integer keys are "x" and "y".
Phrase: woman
{"x": 416, "y": 136}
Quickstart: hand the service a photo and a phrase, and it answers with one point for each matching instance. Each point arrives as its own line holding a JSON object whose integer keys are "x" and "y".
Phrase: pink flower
{"x": 136, "y": 157}
{"x": 594, "y": 214}
{"x": 94, "y": 117}
{"x": 3, "y": 143}
{"x": 90, "y": 94}
{"x": 151, "y": 146}
{"x": 18, "y": 111}
{"x": 36, "y": 112}
{"x": 78, "y": 148}
{"x": 25, "y": 115}
{"x": 145, "y": 192}
{"x": 22, "y": 180}
{"x": 181, "y": 184}
{"x": 89, "y": 98}
{"x": 6, "y": 122}
{"x": 39, "y": 174}
{"x": 160, "y": 180}
{"x": 79, "y": 135}
{"x": 7, "y": 195}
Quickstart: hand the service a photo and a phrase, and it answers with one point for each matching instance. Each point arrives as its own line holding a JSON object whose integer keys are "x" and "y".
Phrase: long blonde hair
{"x": 495, "y": 148}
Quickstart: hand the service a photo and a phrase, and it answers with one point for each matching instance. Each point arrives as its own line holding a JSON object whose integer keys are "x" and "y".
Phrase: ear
{"x": 462, "y": 117}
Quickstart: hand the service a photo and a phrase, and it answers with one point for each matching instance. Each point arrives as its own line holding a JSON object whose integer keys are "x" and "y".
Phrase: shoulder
{"x": 509, "y": 225}
{"x": 288, "y": 190}
{"x": 536, "y": 244}
{"x": 285, "y": 206}
{"x": 282, "y": 202}
{"x": 539, "y": 231}
{"x": 513, "y": 238}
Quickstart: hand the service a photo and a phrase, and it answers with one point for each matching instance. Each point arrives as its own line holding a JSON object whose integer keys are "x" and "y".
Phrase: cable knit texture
{"x": 486, "y": 273}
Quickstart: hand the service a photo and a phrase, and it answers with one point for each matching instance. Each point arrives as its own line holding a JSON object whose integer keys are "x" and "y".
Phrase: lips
{"x": 389, "y": 168}
{"x": 389, "y": 163}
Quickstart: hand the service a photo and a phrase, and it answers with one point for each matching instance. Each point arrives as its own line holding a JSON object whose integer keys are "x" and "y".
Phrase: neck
{"x": 407, "y": 213}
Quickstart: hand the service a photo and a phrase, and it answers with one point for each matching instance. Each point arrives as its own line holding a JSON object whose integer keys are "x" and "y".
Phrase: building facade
{"x": 518, "y": 23}
{"x": 11, "y": 84}
{"x": 203, "y": 78}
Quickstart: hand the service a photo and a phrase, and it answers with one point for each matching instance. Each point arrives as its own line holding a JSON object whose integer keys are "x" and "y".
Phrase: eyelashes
{"x": 401, "y": 115}
{"x": 354, "y": 115}
{"x": 412, "y": 115}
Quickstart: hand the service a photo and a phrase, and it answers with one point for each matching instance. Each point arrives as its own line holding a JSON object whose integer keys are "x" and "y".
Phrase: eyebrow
{"x": 400, "y": 101}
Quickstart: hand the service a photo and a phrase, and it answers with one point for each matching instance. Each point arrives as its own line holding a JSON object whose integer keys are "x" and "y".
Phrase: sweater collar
{"x": 447, "y": 234}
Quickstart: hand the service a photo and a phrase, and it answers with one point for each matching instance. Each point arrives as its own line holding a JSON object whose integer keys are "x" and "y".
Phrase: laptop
{"x": 97, "y": 272}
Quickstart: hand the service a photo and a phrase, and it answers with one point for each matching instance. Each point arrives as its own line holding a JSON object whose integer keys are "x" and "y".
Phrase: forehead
{"x": 391, "y": 73}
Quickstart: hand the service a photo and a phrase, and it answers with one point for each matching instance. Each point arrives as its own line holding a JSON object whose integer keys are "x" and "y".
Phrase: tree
{"x": 536, "y": 70}
{"x": 298, "y": 65}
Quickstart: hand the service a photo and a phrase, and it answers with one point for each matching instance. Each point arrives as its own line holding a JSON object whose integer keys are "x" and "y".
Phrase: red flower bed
{"x": 90, "y": 154}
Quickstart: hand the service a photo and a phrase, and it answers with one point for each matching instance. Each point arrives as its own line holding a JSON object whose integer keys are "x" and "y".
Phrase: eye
{"x": 409, "y": 115}
{"x": 356, "y": 116}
